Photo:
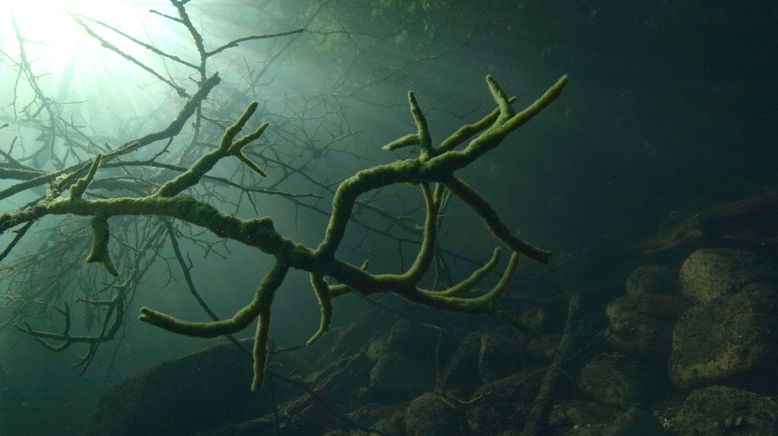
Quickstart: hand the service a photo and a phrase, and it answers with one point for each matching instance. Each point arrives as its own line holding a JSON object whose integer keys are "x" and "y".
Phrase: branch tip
{"x": 78, "y": 188}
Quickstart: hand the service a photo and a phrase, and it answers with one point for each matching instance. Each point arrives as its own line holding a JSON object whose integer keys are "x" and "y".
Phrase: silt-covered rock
{"x": 721, "y": 411}
{"x": 433, "y": 415}
{"x": 199, "y": 391}
{"x": 713, "y": 272}
{"x": 500, "y": 355}
{"x": 460, "y": 375}
{"x": 394, "y": 376}
{"x": 733, "y": 338}
{"x": 651, "y": 279}
{"x": 617, "y": 380}
{"x": 641, "y": 324}
{"x": 503, "y": 404}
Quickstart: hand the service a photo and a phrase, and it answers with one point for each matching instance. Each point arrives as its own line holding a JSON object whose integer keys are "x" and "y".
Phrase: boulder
{"x": 635, "y": 421}
{"x": 339, "y": 343}
{"x": 617, "y": 380}
{"x": 410, "y": 339}
{"x": 651, "y": 279}
{"x": 746, "y": 223}
{"x": 433, "y": 415}
{"x": 641, "y": 324}
{"x": 542, "y": 349}
{"x": 503, "y": 404}
{"x": 500, "y": 355}
{"x": 460, "y": 375}
{"x": 713, "y": 272}
{"x": 721, "y": 411}
{"x": 576, "y": 413}
{"x": 391, "y": 425}
{"x": 203, "y": 390}
{"x": 382, "y": 417}
{"x": 489, "y": 419}
{"x": 732, "y": 339}
{"x": 521, "y": 386}
{"x": 396, "y": 377}
{"x": 344, "y": 380}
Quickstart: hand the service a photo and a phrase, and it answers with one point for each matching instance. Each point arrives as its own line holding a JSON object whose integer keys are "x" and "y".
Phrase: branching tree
{"x": 160, "y": 201}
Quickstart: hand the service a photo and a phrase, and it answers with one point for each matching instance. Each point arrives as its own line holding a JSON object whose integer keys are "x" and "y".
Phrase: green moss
{"x": 99, "y": 252}
{"x": 433, "y": 170}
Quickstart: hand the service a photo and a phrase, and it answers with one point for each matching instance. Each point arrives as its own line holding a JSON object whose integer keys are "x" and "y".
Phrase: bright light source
{"x": 72, "y": 64}
{"x": 47, "y": 23}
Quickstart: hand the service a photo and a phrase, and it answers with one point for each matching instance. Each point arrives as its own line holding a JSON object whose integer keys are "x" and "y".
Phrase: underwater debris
{"x": 433, "y": 171}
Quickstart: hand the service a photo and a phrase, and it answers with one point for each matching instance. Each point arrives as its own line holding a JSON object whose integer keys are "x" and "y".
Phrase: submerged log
{"x": 748, "y": 223}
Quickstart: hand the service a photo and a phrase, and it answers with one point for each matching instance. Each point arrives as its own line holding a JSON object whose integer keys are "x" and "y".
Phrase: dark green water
{"x": 670, "y": 110}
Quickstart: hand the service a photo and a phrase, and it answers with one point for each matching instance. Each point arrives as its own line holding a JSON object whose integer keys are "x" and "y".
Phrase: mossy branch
{"x": 77, "y": 189}
{"x": 433, "y": 167}
{"x": 211, "y": 329}
{"x": 493, "y": 221}
{"x": 421, "y": 137}
{"x": 427, "y": 250}
{"x": 261, "y": 349}
{"x": 324, "y": 297}
{"x": 467, "y": 131}
{"x": 482, "y": 303}
{"x": 469, "y": 282}
{"x": 259, "y": 308}
{"x": 227, "y": 146}
{"x": 503, "y": 102}
{"x": 101, "y": 234}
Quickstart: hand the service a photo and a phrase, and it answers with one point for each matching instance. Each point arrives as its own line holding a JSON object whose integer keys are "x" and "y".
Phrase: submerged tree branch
{"x": 433, "y": 170}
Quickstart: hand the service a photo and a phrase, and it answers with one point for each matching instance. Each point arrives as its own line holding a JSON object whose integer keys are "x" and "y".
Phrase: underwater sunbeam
{"x": 50, "y": 24}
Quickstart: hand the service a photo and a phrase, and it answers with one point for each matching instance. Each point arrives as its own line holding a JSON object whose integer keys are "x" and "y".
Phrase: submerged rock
{"x": 460, "y": 376}
{"x": 748, "y": 223}
{"x": 489, "y": 419}
{"x": 351, "y": 338}
{"x": 500, "y": 355}
{"x": 542, "y": 349}
{"x": 713, "y": 272}
{"x": 575, "y": 413}
{"x": 383, "y": 417}
{"x": 433, "y": 415}
{"x": 503, "y": 404}
{"x": 635, "y": 421}
{"x": 651, "y": 279}
{"x": 721, "y": 411}
{"x": 733, "y": 338}
{"x": 391, "y": 425}
{"x": 343, "y": 380}
{"x": 518, "y": 387}
{"x": 617, "y": 380}
{"x": 395, "y": 377}
{"x": 641, "y": 324}
{"x": 202, "y": 390}
{"x": 413, "y": 341}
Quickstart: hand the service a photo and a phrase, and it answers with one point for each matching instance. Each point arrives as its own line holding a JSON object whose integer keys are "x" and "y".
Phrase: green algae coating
{"x": 433, "y": 170}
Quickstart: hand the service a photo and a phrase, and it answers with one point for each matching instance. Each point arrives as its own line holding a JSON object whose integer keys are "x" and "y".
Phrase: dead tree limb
{"x": 541, "y": 407}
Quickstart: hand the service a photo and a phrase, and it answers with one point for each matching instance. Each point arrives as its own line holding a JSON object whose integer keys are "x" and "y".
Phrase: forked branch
{"x": 433, "y": 171}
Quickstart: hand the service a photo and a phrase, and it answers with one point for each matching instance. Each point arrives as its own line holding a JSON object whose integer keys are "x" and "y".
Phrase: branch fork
{"x": 432, "y": 171}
